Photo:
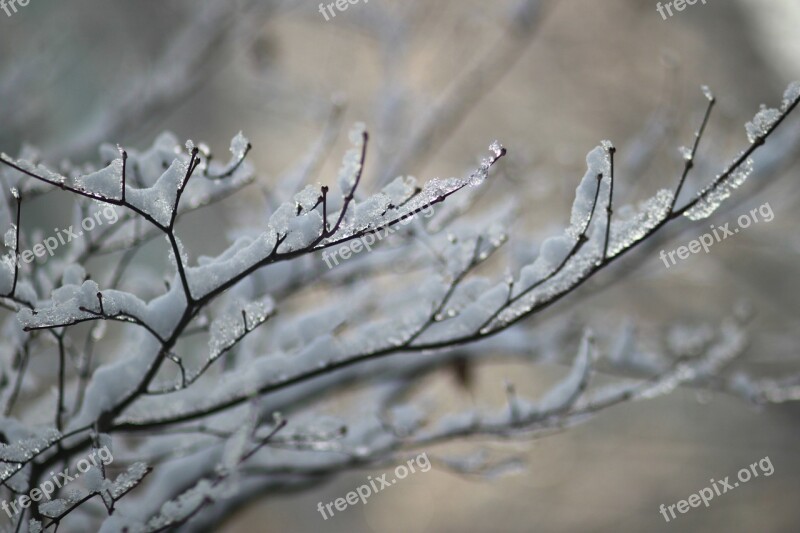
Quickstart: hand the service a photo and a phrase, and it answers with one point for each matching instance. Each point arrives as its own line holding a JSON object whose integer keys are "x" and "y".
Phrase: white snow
{"x": 714, "y": 196}
{"x": 158, "y": 201}
{"x": 106, "y": 183}
{"x": 762, "y": 123}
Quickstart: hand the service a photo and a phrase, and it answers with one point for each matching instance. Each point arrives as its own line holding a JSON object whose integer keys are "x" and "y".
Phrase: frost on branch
{"x": 713, "y": 196}
{"x": 72, "y": 304}
{"x": 158, "y": 201}
{"x": 229, "y": 328}
{"x": 521, "y": 412}
{"x": 105, "y": 183}
{"x": 298, "y": 226}
{"x": 202, "y": 355}
{"x": 126, "y": 481}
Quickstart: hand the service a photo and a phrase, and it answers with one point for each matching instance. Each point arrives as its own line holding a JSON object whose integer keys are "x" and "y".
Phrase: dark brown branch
{"x": 18, "y": 197}
{"x": 230, "y": 170}
{"x": 689, "y": 162}
{"x": 187, "y": 382}
{"x": 190, "y": 168}
{"x": 610, "y": 205}
{"x": 85, "y": 194}
{"x": 351, "y": 194}
{"x": 60, "y": 409}
{"x": 579, "y": 242}
{"x": 124, "y": 171}
{"x": 454, "y": 342}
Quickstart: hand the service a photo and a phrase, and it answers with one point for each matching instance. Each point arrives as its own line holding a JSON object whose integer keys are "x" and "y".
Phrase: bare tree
{"x": 227, "y": 400}
{"x": 208, "y": 391}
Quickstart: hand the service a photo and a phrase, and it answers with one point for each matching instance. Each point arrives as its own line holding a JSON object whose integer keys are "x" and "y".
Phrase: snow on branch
{"x": 202, "y": 363}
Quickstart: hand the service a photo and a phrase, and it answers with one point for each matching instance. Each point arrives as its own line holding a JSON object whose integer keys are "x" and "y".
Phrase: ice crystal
{"x": 10, "y": 237}
{"x": 707, "y": 93}
{"x": 711, "y": 197}
{"x": 762, "y": 123}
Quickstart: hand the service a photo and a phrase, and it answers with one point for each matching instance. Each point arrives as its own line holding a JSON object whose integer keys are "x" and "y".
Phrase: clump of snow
{"x": 631, "y": 225}
{"x": 351, "y": 163}
{"x": 307, "y": 199}
{"x": 400, "y": 190}
{"x": 158, "y": 201}
{"x": 24, "y": 449}
{"x": 106, "y": 183}
{"x": 762, "y": 123}
{"x": 239, "y": 146}
{"x": 708, "y": 93}
{"x": 226, "y": 329}
{"x": 791, "y": 95}
{"x": 482, "y": 172}
{"x": 10, "y": 237}
{"x": 551, "y": 254}
{"x": 713, "y": 196}
{"x": 54, "y": 508}
{"x": 185, "y": 505}
{"x": 567, "y": 391}
{"x": 598, "y": 164}
{"x": 128, "y": 479}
